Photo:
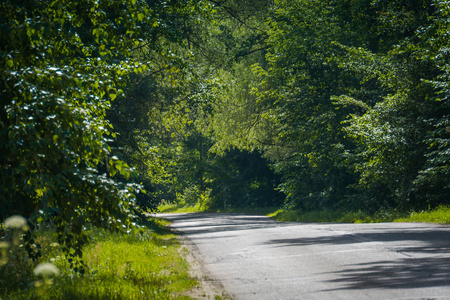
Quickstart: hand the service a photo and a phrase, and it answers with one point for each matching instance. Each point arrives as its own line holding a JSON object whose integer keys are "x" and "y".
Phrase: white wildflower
{"x": 46, "y": 269}
{"x": 16, "y": 222}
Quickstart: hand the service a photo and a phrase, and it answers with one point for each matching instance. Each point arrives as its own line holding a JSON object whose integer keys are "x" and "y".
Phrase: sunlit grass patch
{"x": 440, "y": 215}
{"x": 135, "y": 266}
{"x": 179, "y": 208}
{"x": 183, "y": 208}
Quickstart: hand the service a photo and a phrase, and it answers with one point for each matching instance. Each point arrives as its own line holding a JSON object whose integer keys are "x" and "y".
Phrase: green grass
{"x": 332, "y": 216}
{"x": 179, "y": 208}
{"x": 439, "y": 215}
{"x": 141, "y": 266}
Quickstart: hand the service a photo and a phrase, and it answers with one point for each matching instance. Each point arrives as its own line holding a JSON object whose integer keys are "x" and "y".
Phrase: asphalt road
{"x": 254, "y": 257}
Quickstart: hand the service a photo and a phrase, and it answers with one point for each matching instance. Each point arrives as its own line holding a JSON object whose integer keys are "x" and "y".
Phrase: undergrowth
{"x": 135, "y": 266}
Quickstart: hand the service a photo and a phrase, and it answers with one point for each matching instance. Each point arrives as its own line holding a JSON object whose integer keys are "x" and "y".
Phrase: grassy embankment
{"x": 139, "y": 266}
{"x": 440, "y": 215}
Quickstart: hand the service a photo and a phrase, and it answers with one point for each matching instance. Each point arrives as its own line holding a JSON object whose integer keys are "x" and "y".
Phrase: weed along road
{"x": 254, "y": 257}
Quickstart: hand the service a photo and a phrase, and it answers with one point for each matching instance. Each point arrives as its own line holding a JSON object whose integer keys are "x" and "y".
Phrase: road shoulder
{"x": 207, "y": 287}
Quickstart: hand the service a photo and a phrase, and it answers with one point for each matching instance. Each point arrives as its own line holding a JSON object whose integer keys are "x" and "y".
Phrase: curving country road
{"x": 254, "y": 257}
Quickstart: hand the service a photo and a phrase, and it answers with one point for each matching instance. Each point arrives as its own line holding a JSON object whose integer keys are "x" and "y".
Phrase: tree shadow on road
{"x": 429, "y": 240}
{"x": 405, "y": 273}
{"x": 202, "y": 223}
{"x": 425, "y": 262}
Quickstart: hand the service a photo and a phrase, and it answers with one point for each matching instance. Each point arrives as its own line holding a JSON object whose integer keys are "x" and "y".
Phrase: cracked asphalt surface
{"x": 254, "y": 257}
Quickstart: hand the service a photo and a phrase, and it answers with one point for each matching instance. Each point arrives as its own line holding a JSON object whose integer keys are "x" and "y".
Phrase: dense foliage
{"x": 63, "y": 63}
{"x": 350, "y": 103}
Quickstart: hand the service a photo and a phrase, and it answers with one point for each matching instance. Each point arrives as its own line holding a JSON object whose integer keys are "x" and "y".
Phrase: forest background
{"x": 111, "y": 108}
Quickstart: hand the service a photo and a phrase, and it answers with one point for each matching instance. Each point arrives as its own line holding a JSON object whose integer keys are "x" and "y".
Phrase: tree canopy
{"x": 348, "y": 103}
{"x": 112, "y": 107}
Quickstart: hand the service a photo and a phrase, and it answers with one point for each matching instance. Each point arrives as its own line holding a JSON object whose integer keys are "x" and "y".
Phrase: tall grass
{"x": 135, "y": 266}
